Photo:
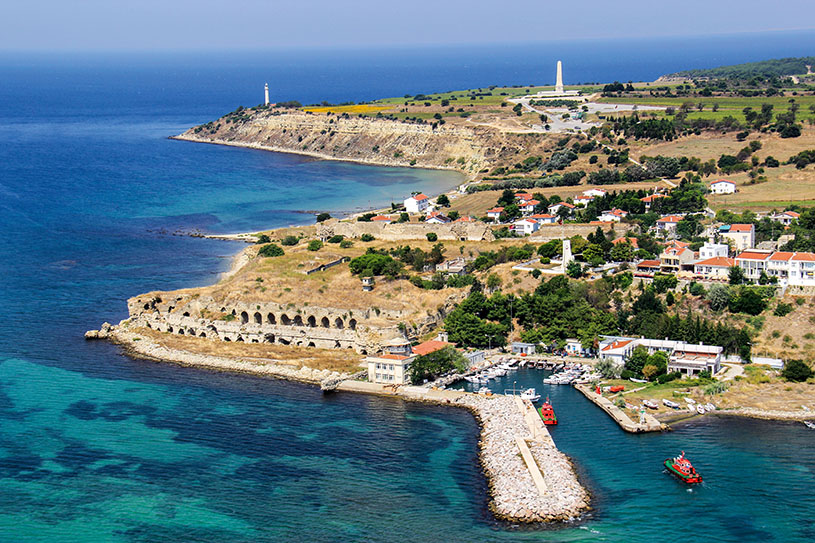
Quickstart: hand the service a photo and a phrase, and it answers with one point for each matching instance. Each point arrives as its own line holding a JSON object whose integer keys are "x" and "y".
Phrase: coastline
{"x": 321, "y": 156}
{"x": 514, "y": 493}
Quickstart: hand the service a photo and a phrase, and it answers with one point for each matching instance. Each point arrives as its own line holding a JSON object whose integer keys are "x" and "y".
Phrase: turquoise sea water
{"x": 95, "y": 446}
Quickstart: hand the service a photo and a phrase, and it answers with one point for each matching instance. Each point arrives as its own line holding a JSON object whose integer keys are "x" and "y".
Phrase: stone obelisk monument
{"x": 559, "y": 80}
{"x": 266, "y": 94}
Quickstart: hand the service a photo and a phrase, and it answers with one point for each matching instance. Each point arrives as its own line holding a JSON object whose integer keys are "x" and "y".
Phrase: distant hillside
{"x": 766, "y": 68}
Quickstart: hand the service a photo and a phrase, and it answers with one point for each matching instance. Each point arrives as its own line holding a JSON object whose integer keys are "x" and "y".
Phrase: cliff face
{"x": 461, "y": 147}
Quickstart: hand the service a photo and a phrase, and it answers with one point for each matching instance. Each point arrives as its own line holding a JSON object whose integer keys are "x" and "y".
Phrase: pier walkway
{"x": 650, "y": 424}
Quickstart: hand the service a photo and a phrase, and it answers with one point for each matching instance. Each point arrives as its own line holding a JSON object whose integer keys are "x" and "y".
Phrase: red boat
{"x": 547, "y": 413}
{"x": 617, "y": 388}
{"x": 682, "y": 468}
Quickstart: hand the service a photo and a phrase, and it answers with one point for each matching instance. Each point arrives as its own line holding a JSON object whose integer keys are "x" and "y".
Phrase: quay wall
{"x": 651, "y": 424}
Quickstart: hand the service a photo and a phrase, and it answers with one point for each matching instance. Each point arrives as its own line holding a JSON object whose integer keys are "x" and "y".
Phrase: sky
{"x": 110, "y": 25}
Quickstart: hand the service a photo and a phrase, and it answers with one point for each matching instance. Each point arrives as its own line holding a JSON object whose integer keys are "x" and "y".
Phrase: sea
{"x": 95, "y": 205}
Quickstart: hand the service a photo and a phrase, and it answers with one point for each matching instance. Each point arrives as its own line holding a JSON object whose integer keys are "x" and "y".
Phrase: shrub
{"x": 626, "y": 374}
{"x": 797, "y": 371}
{"x": 323, "y": 217}
{"x": 335, "y": 239}
{"x": 346, "y": 243}
{"x": 782, "y": 309}
{"x": 717, "y": 387}
{"x": 697, "y": 289}
{"x": 315, "y": 245}
{"x": 367, "y": 237}
{"x": 290, "y": 240}
{"x": 607, "y": 369}
{"x": 431, "y": 236}
{"x": 271, "y": 250}
{"x": 263, "y": 238}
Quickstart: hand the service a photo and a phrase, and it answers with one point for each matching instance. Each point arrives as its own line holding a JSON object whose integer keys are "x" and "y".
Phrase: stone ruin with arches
{"x": 365, "y": 331}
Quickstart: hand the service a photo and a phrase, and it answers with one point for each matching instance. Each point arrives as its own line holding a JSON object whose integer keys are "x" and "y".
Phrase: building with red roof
{"x": 417, "y": 203}
{"x": 717, "y": 267}
{"x": 723, "y": 186}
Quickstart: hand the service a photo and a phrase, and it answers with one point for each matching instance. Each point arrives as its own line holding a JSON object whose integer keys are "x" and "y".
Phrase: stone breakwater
{"x": 141, "y": 347}
{"x": 515, "y": 496}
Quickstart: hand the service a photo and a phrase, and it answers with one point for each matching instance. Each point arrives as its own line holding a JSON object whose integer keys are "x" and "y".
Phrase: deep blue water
{"x": 95, "y": 446}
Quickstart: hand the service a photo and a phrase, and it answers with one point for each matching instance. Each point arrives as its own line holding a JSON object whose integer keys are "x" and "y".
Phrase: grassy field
{"x": 366, "y": 109}
{"x": 732, "y": 106}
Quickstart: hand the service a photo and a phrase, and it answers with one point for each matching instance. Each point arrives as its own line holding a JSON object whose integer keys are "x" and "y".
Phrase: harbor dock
{"x": 648, "y": 424}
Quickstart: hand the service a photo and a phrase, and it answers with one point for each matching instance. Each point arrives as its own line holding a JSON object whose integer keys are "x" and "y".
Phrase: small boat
{"x": 485, "y": 391}
{"x": 650, "y": 404}
{"x": 637, "y": 380}
{"x": 531, "y": 395}
{"x": 690, "y": 401}
{"x": 547, "y": 413}
{"x": 617, "y": 388}
{"x": 710, "y": 407}
{"x": 700, "y": 410}
{"x": 809, "y": 424}
{"x": 672, "y": 405}
{"x": 682, "y": 468}
{"x": 630, "y": 406}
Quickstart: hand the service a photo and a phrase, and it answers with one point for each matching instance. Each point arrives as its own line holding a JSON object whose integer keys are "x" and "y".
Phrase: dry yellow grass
{"x": 350, "y": 109}
{"x": 790, "y": 332}
{"x": 785, "y": 185}
{"x": 340, "y": 360}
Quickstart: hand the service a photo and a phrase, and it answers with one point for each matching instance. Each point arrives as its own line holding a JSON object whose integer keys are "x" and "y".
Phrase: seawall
{"x": 650, "y": 424}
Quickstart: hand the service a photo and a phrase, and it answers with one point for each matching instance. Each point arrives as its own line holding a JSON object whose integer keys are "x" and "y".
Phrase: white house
{"x": 575, "y": 348}
{"x": 785, "y": 217}
{"x": 802, "y": 269}
{"x": 614, "y": 215}
{"x": 687, "y": 358}
{"x": 544, "y": 218}
{"x": 437, "y": 218}
{"x": 583, "y": 201}
{"x": 554, "y": 208}
{"x": 389, "y": 369}
{"x": 594, "y": 192}
{"x": 417, "y": 203}
{"x": 668, "y": 223}
{"x": 712, "y": 250}
{"x": 526, "y": 226}
{"x": 717, "y": 267}
{"x": 651, "y": 198}
{"x": 722, "y": 186}
{"x": 616, "y": 349}
{"x": 495, "y": 213}
{"x": 753, "y": 262}
{"x": 528, "y": 206}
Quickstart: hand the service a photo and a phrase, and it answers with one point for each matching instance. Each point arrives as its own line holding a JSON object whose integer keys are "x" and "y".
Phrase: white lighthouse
{"x": 266, "y": 94}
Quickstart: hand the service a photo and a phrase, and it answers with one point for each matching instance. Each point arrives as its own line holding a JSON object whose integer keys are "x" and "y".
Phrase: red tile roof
{"x": 393, "y": 356}
{"x": 781, "y": 256}
{"x": 792, "y": 214}
{"x": 420, "y": 197}
{"x": 741, "y": 227}
{"x": 381, "y": 218}
{"x": 616, "y": 345}
{"x": 430, "y": 347}
{"x": 631, "y": 241}
{"x": 804, "y": 257}
{"x": 532, "y": 203}
{"x": 542, "y": 216}
{"x": 720, "y": 261}
{"x": 723, "y": 181}
{"x": 648, "y": 264}
{"x": 653, "y": 197}
{"x": 524, "y": 196}
{"x": 670, "y": 218}
{"x": 495, "y": 210}
{"x": 752, "y": 255}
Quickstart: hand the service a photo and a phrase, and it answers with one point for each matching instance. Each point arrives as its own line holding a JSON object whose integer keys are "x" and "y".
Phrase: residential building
{"x": 723, "y": 186}
{"x": 594, "y": 192}
{"x": 688, "y": 358}
{"x": 802, "y": 270}
{"x": 583, "y": 201}
{"x": 474, "y": 357}
{"x": 575, "y": 348}
{"x": 785, "y": 217}
{"x": 625, "y": 239}
{"x": 523, "y": 197}
{"x": 526, "y": 226}
{"x": 523, "y": 349}
{"x": 430, "y": 346}
{"x": 382, "y": 218}
{"x": 712, "y": 250}
{"x": 743, "y": 236}
{"x": 676, "y": 259}
{"x": 651, "y": 198}
{"x": 647, "y": 267}
{"x": 528, "y": 206}
{"x": 779, "y": 265}
{"x": 753, "y": 262}
{"x": 554, "y": 208}
{"x": 417, "y": 204}
{"x": 614, "y": 215}
{"x": 714, "y": 268}
{"x": 389, "y": 369}
{"x": 495, "y": 213}
{"x": 667, "y": 224}
{"x": 436, "y": 217}
{"x": 544, "y": 218}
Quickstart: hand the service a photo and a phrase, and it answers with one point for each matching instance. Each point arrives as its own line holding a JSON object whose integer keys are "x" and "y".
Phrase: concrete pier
{"x": 651, "y": 424}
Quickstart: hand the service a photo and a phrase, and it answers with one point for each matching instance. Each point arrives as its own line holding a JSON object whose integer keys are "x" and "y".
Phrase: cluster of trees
{"x": 650, "y": 129}
{"x": 750, "y": 71}
{"x": 271, "y": 250}
{"x": 429, "y": 366}
{"x": 804, "y": 231}
{"x": 374, "y": 263}
{"x": 648, "y": 317}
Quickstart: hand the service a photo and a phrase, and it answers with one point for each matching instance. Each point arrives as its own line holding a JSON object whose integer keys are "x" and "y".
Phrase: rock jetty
{"x": 515, "y": 495}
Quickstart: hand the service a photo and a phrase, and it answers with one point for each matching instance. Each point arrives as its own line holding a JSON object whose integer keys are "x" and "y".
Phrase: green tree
{"x": 797, "y": 371}
{"x": 574, "y": 269}
{"x": 323, "y": 217}
{"x": 315, "y": 245}
{"x": 289, "y": 241}
{"x": 637, "y": 360}
{"x": 431, "y": 236}
{"x": 622, "y": 252}
{"x": 430, "y": 366}
{"x": 718, "y": 296}
{"x": 736, "y": 275}
{"x": 271, "y": 250}
{"x": 263, "y": 238}
{"x": 443, "y": 200}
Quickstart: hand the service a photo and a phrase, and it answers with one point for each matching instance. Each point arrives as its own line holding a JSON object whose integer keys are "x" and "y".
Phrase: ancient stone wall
{"x": 555, "y": 231}
{"x": 462, "y": 231}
